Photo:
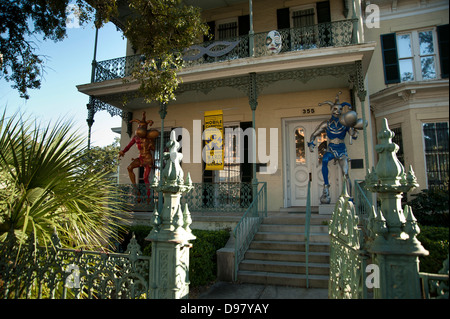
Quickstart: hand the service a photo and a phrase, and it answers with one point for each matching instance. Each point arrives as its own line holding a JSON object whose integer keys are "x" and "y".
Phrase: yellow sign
{"x": 213, "y": 136}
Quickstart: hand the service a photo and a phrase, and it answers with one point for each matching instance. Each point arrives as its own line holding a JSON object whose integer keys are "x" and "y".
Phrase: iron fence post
{"x": 171, "y": 233}
{"x": 393, "y": 230}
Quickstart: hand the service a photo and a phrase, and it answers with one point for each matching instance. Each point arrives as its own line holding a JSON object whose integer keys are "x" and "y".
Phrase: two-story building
{"x": 268, "y": 74}
{"x": 408, "y": 83}
{"x": 320, "y": 49}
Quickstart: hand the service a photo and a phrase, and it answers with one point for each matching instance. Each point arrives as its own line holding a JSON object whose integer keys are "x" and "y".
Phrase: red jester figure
{"x": 145, "y": 141}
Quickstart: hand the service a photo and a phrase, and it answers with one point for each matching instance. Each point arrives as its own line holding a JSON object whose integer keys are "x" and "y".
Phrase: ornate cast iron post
{"x": 393, "y": 230}
{"x": 251, "y": 33}
{"x": 162, "y": 115}
{"x": 169, "y": 270}
{"x": 253, "y": 101}
{"x": 90, "y": 105}
{"x": 362, "y": 93}
{"x": 90, "y": 120}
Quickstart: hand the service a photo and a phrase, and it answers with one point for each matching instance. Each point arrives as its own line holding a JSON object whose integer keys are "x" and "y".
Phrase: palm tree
{"x": 43, "y": 188}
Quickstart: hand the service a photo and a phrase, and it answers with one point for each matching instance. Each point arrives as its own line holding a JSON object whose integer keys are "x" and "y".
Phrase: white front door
{"x": 301, "y": 164}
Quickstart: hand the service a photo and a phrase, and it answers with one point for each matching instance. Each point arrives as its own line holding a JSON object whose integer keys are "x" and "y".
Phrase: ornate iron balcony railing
{"x": 204, "y": 197}
{"x": 329, "y": 34}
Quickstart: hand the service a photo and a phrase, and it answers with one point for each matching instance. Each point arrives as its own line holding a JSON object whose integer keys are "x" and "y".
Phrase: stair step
{"x": 296, "y": 219}
{"x": 289, "y": 245}
{"x": 285, "y": 267}
{"x": 282, "y": 279}
{"x": 276, "y": 255}
{"x": 291, "y": 236}
{"x": 298, "y": 256}
{"x": 292, "y": 228}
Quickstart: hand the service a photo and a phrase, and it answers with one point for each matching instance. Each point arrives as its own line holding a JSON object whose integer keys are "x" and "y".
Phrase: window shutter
{"x": 390, "y": 60}
{"x": 212, "y": 31}
{"x": 243, "y": 30}
{"x": 284, "y": 22}
{"x": 324, "y": 18}
{"x": 244, "y": 24}
{"x": 323, "y": 12}
{"x": 246, "y": 167}
{"x": 283, "y": 19}
{"x": 442, "y": 32}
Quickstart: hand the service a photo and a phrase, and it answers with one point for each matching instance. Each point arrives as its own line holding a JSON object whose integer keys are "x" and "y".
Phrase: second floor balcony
{"x": 264, "y": 44}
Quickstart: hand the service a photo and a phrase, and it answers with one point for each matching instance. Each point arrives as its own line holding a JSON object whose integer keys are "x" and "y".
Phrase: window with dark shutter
{"x": 246, "y": 166}
{"x": 244, "y": 29}
{"x": 442, "y": 32}
{"x": 323, "y": 11}
{"x": 324, "y": 19}
{"x": 390, "y": 60}
{"x": 284, "y": 22}
{"x": 244, "y": 24}
{"x": 283, "y": 19}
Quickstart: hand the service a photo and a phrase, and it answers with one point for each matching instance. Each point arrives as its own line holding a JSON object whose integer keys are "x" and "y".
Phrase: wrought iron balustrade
{"x": 61, "y": 273}
{"x": 204, "y": 197}
{"x": 435, "y": 286}
{"x": 329, "y": 34}
{"x": 116, "y": 68}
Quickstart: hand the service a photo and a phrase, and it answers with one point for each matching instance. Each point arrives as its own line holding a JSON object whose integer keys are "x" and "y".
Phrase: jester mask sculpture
{"x": 145, "y": 141}
{"x": 336, "y": 129}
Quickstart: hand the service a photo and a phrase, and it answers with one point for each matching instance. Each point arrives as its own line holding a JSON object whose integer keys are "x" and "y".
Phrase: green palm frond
{"x": 43, "y": 187}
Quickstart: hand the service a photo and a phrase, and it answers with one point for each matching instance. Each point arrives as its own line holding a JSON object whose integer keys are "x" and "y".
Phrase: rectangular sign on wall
{"x": 214, "y": 152}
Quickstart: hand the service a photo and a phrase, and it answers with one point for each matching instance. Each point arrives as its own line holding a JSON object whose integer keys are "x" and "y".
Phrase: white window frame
{"x": 416, "y": 57}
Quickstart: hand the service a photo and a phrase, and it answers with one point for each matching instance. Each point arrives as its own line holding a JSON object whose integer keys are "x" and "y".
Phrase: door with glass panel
{"x": 303, "y": 165}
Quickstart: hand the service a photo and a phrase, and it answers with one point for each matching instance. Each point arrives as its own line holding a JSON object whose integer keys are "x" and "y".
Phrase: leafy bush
{"x": 140, "y": 232}
{"x": 430, "y": 207}
{"x": 435, "y": 240}
{"x": 202, "y": 257}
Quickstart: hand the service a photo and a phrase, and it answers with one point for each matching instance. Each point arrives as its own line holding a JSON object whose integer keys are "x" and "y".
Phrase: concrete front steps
{"x": 277, "y": 255}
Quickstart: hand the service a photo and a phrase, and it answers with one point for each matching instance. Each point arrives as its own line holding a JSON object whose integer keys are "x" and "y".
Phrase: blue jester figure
{"x": 336, "y": 129}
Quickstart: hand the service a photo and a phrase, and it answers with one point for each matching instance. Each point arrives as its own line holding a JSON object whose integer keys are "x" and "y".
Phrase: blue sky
{"x": 67, "y": 64}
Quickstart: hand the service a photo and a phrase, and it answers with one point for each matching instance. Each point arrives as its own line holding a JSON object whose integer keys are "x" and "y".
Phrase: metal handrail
{"x": 362, "y": 203}
{"x": 247, "y": 227}
{"x": 307, "y": 229}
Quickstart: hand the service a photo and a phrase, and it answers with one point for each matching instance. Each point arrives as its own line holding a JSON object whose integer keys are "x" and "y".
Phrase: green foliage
{"x": 202, "y": 257}
{"x": 140, "y": 232}
{"x": 435, "y": 240}
{"x": 430, "y": 207}
{"x": 44, "y": 189}
{"x": 161, "y": 30}
{"x": 102, "y": 159}
{"x": 23, "y": 20}
{"x": 156, "y": 28}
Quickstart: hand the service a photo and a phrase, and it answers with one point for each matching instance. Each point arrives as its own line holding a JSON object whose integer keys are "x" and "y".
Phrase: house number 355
{"x": 308, "y": 111}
